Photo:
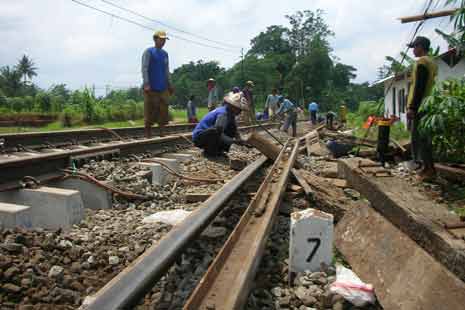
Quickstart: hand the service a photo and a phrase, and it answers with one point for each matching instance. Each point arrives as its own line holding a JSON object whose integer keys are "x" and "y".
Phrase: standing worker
{"x": 247, "y": 91}
{"x": 330, "y": 119}
{"x": 290, "y": 109}
{"x": 343, "y": 114}
{"x": 156, "y": 83}
{"x": 191, "y": 110}
{"x": 217, "y": 131}
{"x": 212, "y": 101}
{"x": 423, "y": 76}
{"x": 313, "y": 108}
{"x": 271, "y": 103}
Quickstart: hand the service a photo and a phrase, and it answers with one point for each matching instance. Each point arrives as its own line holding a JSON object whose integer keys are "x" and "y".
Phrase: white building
{"x": 450, "y": 65}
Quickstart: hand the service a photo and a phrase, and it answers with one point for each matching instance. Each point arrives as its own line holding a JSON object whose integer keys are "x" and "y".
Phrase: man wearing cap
{"x": 217, "y": 131}
{"x": 213, "y": 99}
{"x": 156, "y": 84}
{"x": 247, "y": 91}
{"x": 423, "y": 76}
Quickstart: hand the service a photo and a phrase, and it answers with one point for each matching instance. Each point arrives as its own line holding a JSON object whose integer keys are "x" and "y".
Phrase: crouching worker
{"x": 217, "y": 131}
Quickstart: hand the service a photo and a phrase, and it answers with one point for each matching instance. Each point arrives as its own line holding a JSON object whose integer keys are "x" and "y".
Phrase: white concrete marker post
{"x": 311, "y": 241}
{"x": 12, "y": 216}
{"x": 50, "y": 207}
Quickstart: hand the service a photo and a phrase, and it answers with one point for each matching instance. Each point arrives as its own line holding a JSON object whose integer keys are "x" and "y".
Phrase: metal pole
{"x": 242, "y": 66}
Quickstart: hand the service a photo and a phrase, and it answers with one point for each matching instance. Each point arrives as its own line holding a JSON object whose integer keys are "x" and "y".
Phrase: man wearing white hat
{"x": 217, "y": 131}
{"x": 157, "y": 86}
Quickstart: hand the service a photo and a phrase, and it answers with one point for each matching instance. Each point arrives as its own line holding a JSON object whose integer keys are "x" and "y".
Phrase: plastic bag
{"x": 171, "y": 217}
{"x": 349, "y": 286}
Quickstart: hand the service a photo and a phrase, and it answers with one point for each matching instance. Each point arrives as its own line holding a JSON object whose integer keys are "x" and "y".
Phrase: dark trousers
{"x": 422, "y": 146}
{"x": 313, "y": 117}
{"x": 213, "y": 142}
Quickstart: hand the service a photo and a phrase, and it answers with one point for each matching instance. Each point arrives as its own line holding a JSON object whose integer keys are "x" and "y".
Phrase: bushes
{"x": 445, "y": 119}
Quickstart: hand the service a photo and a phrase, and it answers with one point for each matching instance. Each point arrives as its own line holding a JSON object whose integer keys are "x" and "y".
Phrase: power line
{"x": 149, "y": 28}
{"x": 168, "y": 26}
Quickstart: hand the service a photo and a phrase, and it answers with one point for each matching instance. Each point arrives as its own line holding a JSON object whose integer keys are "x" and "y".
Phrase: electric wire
{"x": 168, "y": 26}
{"x": 230, "y": 51}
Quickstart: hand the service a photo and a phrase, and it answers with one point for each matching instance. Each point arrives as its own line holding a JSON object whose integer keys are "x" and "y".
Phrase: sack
{"x": 171, "y": 217}
{"x": 349, "y": 286}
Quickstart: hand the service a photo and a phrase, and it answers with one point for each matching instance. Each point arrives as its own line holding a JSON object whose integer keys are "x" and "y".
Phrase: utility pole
{"x": 242, "y": 67}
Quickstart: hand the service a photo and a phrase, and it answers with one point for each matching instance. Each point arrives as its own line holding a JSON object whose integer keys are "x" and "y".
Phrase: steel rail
{"x": 35, "y": 140}
{"x": 228, "y": 281}
{"x": 49, "y": 139}
{"x": 129, "y": 286}
{"x": 13, "y": 167}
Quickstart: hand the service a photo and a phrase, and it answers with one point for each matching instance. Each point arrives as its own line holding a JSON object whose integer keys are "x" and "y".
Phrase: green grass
{"x": 179, "y": 116}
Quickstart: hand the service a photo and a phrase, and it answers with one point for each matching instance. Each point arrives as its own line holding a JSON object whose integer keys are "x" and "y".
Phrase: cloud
{"x": 75, "y": 45}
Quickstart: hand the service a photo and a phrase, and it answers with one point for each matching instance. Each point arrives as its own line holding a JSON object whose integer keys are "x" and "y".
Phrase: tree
{"x": 305, "y": 27}
{"x": 60, "y": 90}
{"x": 26, "y": 68}
{"x": 342, "y": 74}
{"x": 10, "y": 81}
{"x": 271, "y": 42}
{"x": 312, "y": 73}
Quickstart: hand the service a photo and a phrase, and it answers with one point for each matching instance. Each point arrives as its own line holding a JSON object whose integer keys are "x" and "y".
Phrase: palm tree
{"x": 26, "y": 67}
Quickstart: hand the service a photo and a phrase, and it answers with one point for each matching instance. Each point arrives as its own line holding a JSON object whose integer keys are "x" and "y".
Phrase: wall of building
{"x": 396, "y": 106}
{"x": 446, "y": 72}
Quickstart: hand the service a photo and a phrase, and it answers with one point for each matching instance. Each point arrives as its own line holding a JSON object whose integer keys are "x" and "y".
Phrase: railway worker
{"x": 217, "y": 131}
{"x": 313, "y": 109}
{"x": 191, "y": 110}
{"x": 271, "y": 103}
{"x": 213, "y": 99}
{"x": 423, "y": 76}
{"x": 156, "y": 84}
{"x": 343, "y": 114}
{"x": 330, "y": 119}
{"x": 290, "y": 109}
{"x": 247, "y": 91}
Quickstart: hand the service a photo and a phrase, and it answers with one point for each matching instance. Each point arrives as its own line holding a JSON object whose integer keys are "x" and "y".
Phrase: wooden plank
{"x": 301, "y": 180}
{"x": 411, "y": 211}
{"x": 451, "y": 173}
{"x": 416, "y": 18}
{"x": 404, "y": 275}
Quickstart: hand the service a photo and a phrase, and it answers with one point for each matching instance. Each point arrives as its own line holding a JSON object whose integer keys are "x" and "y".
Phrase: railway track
{"x": 47, "y": 165}
{"x": 42, "y": 161}
{"x": 219, "y": 288}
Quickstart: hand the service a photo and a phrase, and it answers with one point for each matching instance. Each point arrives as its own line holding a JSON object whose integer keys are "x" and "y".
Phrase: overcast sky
{"x": 78, "y": 46}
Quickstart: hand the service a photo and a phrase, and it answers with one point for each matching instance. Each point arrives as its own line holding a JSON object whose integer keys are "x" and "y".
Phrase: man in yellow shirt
{"x": 423, "y": 76}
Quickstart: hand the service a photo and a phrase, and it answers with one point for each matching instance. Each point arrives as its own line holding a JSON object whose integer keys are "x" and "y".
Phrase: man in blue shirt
{"x": 156, "y": 83}
{"x": 217, "y": 131}
{"x": 313, "y": 108}
{"x": 290, "y": 109}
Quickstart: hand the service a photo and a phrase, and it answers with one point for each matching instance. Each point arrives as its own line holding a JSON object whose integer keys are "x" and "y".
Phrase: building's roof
{"x": 381, "y": 81}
